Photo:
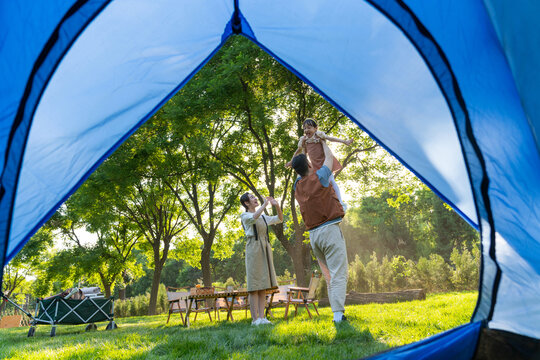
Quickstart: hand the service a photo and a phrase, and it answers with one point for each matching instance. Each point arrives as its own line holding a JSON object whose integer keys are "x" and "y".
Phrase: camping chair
{"x": 177, "y": 302}
{"x": 303, "y": 296}
{"x": 279, "y": 298}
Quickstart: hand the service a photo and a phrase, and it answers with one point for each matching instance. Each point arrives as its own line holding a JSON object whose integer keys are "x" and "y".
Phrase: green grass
{"x": 371, "y": 328}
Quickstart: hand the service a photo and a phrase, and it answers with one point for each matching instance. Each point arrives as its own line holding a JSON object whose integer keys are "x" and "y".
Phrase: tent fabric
{"x": 511, "y": 21}
{"x": 458, "y": 343}
{"x": 446, "y": 87}
{"x": 133, "y": 79}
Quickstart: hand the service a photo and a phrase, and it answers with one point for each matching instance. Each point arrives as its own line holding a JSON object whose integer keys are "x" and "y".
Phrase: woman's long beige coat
{"x": 260, "y": 271}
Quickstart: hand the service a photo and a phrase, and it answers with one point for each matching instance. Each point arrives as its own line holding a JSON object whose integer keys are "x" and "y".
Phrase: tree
{"x": 131, "y": 184}
{"x": 26, "y": 263}
{"x": 204, "y": 192}
{"x": 256, "y": 108}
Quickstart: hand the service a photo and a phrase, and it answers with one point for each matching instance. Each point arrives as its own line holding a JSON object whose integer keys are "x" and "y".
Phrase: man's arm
{"x": 298, "y": 151}
{"x": 328, "y": 156}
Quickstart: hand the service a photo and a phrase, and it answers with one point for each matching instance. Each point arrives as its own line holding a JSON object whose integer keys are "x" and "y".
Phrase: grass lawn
{"x": 371, "y": 328}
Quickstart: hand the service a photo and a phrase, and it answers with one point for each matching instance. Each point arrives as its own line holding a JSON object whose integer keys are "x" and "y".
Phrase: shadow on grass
{"x": 346, "y": 331}
{"x": 294, "y": 339}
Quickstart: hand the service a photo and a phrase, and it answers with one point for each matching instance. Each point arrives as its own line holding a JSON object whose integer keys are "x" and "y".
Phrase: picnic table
{"x": 229, "y": 296}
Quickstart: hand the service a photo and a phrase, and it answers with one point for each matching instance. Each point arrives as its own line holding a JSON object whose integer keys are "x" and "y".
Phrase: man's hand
{"x": 320, "y": 134}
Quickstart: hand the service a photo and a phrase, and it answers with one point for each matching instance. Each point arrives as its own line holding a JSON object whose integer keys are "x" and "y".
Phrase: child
{"x": 310, "y": 144}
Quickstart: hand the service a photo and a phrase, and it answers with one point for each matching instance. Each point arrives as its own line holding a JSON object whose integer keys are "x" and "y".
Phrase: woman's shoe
{"x": 264, "y": 321}
{"x": 256, "y": 322}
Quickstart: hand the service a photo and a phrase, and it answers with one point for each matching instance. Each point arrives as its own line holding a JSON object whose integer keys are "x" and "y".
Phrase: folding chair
{"x": 278, "y": 298}
{"x": 303, "y": 296}
{"x": 177, "y": 302}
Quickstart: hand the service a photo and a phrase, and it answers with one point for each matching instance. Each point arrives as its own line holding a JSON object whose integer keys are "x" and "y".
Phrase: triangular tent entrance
{"x": 450, "y": 88}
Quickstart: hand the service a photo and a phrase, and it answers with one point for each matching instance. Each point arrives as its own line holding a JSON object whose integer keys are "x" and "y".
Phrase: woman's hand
{"x": 275, "y": 203}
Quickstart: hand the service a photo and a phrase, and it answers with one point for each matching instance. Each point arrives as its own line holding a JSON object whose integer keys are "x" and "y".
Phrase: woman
{"x": 259, "y": 261}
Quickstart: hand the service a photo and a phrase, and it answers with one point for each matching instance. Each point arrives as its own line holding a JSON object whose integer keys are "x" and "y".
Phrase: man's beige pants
{"x": 328, "y": 245}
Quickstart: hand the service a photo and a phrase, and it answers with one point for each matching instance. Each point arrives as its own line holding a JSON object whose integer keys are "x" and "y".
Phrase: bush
{"x": 285, "y": 278}
{"x": 162, "y": 304}
{"x": 357, "y": 276}
{"x": 401, "y": 272}
{"x": 464, "y": 275}
{"x": 372, "y": 273}
{"x": 434, "y": 273}
{"x": 138, "y": 305}
{"x": 386, "y": 275}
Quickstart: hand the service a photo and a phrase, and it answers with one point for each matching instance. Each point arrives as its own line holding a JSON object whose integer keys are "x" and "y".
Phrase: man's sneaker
{"x": 343, "y": 318}
{"x": 265, "y": 321}
{"x": 256, "y": 322}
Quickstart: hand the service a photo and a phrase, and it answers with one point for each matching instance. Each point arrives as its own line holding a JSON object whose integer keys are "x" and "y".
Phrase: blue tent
{"x": 451, "y": 88}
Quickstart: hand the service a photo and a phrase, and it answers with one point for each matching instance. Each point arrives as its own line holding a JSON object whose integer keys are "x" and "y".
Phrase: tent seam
{"x": 484, "y": 185}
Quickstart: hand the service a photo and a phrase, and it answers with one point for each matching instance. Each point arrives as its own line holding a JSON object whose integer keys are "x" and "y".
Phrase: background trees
{"x": 164, "y": 207}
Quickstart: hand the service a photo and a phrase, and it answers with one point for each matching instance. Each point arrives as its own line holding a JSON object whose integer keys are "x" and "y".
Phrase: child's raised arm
{"x": 300, "y": 150}
{"x": 323, "y": 136}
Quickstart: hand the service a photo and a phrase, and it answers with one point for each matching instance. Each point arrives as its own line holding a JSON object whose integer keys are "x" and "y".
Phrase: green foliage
{"x": 432, "y": 274}
{"x": 172, "y": 190}
{"x": 138, "y": 305}
{"x": 29, "y": 262}
{"x": 401, "y": 271}
{"x": 464, "y": 274}
{"x": 409, "y": 220}
{"x": 357, "y": 280}
{"x": 372, "y": 273}
{"x": 285, "y": 278}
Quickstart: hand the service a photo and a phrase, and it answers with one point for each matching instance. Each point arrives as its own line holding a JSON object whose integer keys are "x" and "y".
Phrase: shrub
{"x": 162, "y": 303}
{"x": 400, "y": 272}
{"x": 386, "y": 275}
{"x": 433, "y": 273}
{"x": 230, "y": 282}
{"x": 357, "y": 276}
{"x": 372, "y": 273}
{"x": 285, "y": 278}
{"x": 464, "y": 275}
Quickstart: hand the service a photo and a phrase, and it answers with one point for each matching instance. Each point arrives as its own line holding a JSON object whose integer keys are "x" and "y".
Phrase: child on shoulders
{"x": 311, "y": 145}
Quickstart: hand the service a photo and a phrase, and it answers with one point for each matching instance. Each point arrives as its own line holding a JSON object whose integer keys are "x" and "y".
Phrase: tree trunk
{"x": 106, "y": 285}
{"x": 122, "y": 294}
{"x": 155, "y": 287}
{"x": 107, "y": 290}
{"x": 205, "y": 266}
{"x": 298, "y": 251}
{"x": 299, "y": 264}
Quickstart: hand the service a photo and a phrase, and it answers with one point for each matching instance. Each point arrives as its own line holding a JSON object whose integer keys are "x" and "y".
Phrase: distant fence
{"x": 8, "y": 309}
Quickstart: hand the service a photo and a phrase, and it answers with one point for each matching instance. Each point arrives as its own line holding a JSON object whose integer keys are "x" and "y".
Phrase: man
{"x": 322, "y": 212}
